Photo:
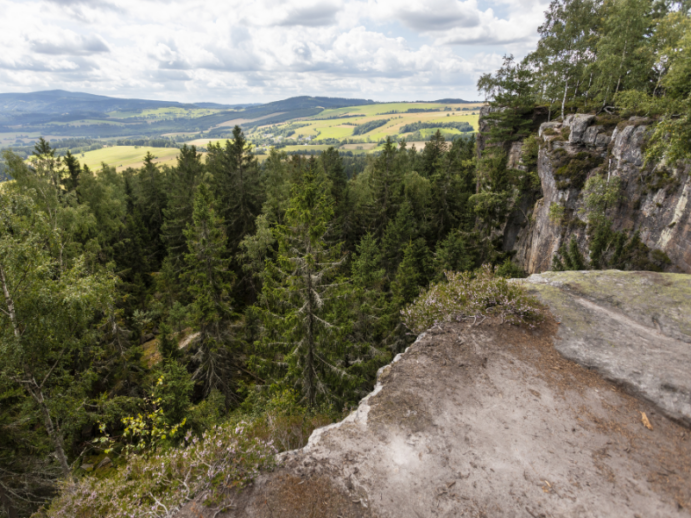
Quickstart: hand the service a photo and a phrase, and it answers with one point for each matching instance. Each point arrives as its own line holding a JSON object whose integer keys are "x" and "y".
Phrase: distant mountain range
{"x": 74, "y": 114}
{"x": 63, "y": 102}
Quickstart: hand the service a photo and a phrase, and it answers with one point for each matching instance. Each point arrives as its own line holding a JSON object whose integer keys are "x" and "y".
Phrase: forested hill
{"x": 165, "y": 330}
{"x": 62, "y": 102}
{"x": 79, "y": 114}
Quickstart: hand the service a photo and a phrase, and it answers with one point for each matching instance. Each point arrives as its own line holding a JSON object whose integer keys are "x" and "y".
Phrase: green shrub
{"x": 510, "y": 270}
{"x": 569, "y": 257}
{"x": 571, "y": 172}
{"x": 465, "y": 296}
{"x": 556, "y": 213}
{"x": 156, "y": 484}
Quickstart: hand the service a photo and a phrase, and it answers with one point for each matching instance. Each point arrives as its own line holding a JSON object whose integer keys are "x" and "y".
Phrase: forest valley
{"x": 167, "y": 329}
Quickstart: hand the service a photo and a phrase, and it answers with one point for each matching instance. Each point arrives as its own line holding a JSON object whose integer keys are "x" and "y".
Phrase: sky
{"x": 261, "y": 50}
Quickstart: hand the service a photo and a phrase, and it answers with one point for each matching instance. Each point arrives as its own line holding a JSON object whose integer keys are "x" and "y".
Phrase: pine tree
{"x": 399, "y": 233}
{"x": 237, "y": 185}
{"x": 73, "y": 171}
{"x": 431, "y": 159}
{"x": 183, "y": 182}
{"x": 301, "y": 291}
{"x": 385, "y": 183}
{"x": 368, "y": 279}
{"x": 209, "y": 282}
{"x": 149, "y": 187}
{"x": 332, "y": 163}
{"x": 452, "y": 254}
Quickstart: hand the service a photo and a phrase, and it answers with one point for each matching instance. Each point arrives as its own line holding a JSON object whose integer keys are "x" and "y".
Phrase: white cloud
{"x": 261, "y": 50}
{"x": 68, "y": 44}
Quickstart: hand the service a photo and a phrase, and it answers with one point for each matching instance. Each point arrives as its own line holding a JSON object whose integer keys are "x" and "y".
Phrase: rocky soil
{"x": 494, "y": 421}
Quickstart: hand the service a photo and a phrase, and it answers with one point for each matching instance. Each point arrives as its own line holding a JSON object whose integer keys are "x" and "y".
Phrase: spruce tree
{"x": 209, "y": 282}
{"x": 368, "y": 282}
{"x": 71, "y": 182}
{"x": 149, "y": 187}
{"x": 385, "y": 184}
{"x": 183, "y": 182}
{"x": 237, "y": 185}
{"x": 399, "y": 233}
{"x": 302, "y": 290}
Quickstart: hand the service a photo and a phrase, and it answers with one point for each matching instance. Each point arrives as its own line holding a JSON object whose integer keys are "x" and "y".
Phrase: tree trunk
{"x": 7, "y": 504}
{"x": 563, "y": 101}
{"x": 54, "y": 434}
{"x": 9, "y": 302}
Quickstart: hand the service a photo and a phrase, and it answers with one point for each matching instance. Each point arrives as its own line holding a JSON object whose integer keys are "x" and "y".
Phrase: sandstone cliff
{"x": 654, "y": 202}
{"x": 495, "y": 420}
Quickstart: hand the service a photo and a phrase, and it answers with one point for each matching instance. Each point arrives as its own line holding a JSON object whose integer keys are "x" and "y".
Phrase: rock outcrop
{"x": 633, "y": 328}
{"x": 654, "y": 202}
{"x": 496, "y": 420}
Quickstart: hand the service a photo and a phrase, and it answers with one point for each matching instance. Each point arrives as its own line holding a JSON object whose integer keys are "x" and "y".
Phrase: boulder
{"x": 556, "y": 126}
{"x": 579, "y": 124}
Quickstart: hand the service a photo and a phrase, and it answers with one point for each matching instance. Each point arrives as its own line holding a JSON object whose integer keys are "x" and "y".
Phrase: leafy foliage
{"x": 156, "y": 484}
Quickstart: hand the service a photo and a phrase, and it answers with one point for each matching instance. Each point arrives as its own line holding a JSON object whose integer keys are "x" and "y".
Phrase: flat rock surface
{"x": 633, "y": 328}
{"x": 493, "y": 421}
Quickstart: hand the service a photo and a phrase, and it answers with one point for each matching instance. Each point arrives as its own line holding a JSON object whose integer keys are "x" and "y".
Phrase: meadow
{"x": 122, "y": 157}
{"x": 164, "y": 113}
{"x": 326, "y": 126}
{"x": 334, "y": 124}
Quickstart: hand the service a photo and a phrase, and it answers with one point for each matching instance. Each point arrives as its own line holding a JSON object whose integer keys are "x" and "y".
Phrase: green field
{"x": 164, "y": 113}
{"x": 123, "y": 157}
{"x": 319, "y": 127}
{"x": 205, "y": 141}
{"x": 323, "y": 127}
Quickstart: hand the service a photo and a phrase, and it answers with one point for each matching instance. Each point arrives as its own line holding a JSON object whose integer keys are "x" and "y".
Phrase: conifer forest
{"x": 227, "y": 302}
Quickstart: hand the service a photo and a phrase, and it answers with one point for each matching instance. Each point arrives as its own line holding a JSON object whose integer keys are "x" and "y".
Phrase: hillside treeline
{"x": 141, "y": 305}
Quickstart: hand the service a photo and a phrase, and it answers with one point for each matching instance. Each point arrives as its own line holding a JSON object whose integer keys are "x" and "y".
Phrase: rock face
{"x": 495, "y": 420}
{"x": 633, "y": 328}
{"x": 654, "y": 202}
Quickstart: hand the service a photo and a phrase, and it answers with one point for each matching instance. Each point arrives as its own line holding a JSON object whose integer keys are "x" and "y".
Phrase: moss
{"x": 549, "y": 131}
{"x": 633, "y": 292}
{"x": 661, "y": 178}
{"x": 565, "y": 133}
{"x": 638, "y": 122}
{"x": 609, "y": 122}
{"x": 571, "y": 172}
